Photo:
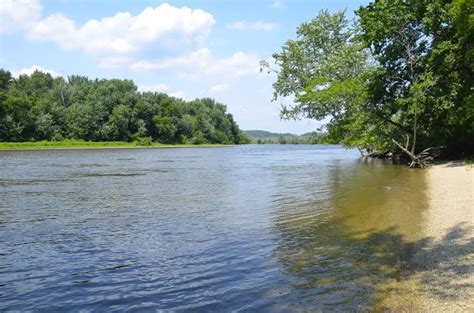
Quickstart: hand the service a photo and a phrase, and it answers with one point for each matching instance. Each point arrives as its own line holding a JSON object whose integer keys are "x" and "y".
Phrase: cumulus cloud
{"x": 109, "y": 37}
{"x": 154, "y": 88}
{"x": 179, "y": 94}
{"x": 164, "y": 89}
{"x": 202, "y": 62}
{"x": 32, "y": 69}
{"x": 124, "y": 33}
{"x": 259, "y": 25}
{"x": 16, "y": 15}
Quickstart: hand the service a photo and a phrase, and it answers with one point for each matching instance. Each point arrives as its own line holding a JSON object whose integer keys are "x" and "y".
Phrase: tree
{"x": 5, "y": 79}
{"x": 325, "y": 70}
{"x": 38, "y": 107}
{"x": 403, "y": 72}
{"x": 414, "y": 42}
{"x": 166, "y": 128}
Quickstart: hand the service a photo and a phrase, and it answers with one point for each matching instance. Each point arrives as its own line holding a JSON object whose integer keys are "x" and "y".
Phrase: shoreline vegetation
{"x": 84, "y": 145}
{"x": 39, "y": 107}
{"x": 397, "y": 80}
{"x": 266, "y": 137}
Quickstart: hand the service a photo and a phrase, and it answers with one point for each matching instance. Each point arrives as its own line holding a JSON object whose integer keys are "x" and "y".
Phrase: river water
{"x": 250, "y": 228}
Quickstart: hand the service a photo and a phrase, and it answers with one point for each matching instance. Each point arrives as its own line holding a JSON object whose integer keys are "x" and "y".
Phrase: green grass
{"x": 78, "y": 144}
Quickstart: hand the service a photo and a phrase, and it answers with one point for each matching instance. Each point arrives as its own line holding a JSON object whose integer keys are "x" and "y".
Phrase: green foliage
{"x": 198, "y": 138}
{"x": 143, "y": 141}
{"x": 324, "y": 69}
{"x": 265, "y": 137}
{"x": 40, "y": 107}
{"x": 404, "y": 71}
{"x": 425, "y": 82}
{"x": 5, "y": 79}
{"x": 323, "y": 53}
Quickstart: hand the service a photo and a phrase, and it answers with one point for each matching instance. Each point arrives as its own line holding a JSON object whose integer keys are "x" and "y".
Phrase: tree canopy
{"x": 40, "y": 107}
{"x": 399, "y": 78}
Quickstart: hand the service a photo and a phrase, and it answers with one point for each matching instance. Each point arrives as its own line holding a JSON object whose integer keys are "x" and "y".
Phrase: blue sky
{"x": 188, "y": 49}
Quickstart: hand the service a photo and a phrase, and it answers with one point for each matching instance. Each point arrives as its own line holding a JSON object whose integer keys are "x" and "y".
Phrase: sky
{"x": 188, "y": 49}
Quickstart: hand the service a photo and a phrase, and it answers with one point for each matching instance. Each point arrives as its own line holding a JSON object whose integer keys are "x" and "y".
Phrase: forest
{"x": 40, "y": 107}
{"x": 395, "y": 80}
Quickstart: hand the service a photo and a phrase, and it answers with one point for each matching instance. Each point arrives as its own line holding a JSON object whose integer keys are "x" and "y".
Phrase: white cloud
{"x": 203, "y": 63}
{"x": 259, "y": 25}
{"x": 277, "y": 4}
{"x": 219, "y": 88}
{"x": 179, "y": 94}
{"x": 154, "y": 88}
{"x": 16, "y": 15}
{"x": 56, "y": 28}
{"x": 113, "y": 36}
{"x": 32, "y": 69}
{"x": 163, "y": 88}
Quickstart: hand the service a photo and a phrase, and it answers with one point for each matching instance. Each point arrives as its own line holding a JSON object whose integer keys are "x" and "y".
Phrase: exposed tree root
{"x": 421, "y": 159}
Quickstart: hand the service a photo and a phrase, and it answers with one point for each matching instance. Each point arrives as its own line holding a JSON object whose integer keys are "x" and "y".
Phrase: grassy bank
{"x": 77, "y": 144}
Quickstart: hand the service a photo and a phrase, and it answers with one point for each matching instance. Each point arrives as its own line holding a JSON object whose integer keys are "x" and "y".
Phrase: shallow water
{"x": 268, "y": 227}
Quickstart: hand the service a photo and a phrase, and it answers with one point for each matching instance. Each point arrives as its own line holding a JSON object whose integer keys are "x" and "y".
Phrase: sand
{"x": 449, "y": 266}
{"x": 451, "y": 196}
{"x": 439, "y": 275}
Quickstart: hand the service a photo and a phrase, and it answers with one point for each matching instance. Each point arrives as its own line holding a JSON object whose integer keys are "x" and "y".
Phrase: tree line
{"x": 39, "y": 107}
{"x": 265, "y": 137}
{"x": 396, "y": 80}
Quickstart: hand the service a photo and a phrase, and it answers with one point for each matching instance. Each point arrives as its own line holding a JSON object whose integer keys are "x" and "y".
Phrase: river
{"x": 255, "y": 227}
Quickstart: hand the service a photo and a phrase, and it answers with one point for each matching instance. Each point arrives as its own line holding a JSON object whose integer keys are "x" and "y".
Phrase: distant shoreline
{"x": 93, "y": 145}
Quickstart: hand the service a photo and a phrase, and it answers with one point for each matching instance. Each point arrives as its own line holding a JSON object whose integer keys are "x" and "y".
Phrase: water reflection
{"x": 364, "y": 247}
{"x": 256, "y": 228}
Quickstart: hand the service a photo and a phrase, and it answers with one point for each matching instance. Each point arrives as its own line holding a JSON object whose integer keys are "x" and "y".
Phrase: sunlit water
{"x": 271, "y": 227}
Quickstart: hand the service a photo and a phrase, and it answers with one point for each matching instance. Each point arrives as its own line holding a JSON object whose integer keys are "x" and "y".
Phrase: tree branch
{"x": 412, "y": 156}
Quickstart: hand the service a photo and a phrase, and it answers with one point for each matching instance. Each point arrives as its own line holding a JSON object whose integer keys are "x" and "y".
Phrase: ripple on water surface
{"x": 240, "y": 228}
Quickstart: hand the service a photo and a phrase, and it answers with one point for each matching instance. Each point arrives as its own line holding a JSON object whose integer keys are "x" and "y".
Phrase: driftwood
{"x": 421, "y": 159}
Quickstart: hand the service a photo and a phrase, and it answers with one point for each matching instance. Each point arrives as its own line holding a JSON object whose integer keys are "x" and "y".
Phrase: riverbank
{"x": 450, "y": 225}
{"x": 435, "y": 270}
{"x": 437, "y": 274}
{"x": 76, "y": 144}
{"x": 451, "y": 196}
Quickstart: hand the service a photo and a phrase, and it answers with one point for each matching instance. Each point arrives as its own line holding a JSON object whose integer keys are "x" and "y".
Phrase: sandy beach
{"x": 451, "y": 194}
{"x": 439, "y": 275}
{"x": 445, "y": 263}
{"x": 450, "y": 225}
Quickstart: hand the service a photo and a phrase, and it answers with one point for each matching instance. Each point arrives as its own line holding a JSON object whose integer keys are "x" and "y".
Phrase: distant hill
{"x": 263, "y": 136}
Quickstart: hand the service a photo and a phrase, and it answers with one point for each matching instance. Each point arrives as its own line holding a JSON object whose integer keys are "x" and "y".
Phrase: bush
{"x": 143, "y": 141}
{"x": 198, "y": 139}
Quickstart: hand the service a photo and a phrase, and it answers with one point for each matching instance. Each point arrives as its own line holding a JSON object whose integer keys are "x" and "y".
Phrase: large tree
{"x": 324, "y": 71}
{"x": 398, "y": 79}
{"x": 424, "y": 78}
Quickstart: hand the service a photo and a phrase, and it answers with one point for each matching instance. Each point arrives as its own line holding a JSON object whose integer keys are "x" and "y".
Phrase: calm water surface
{"x": 257, "y": 228}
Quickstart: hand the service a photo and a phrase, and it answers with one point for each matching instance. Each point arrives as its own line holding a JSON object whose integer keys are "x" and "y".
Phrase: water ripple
{"x": 254, "y": 228}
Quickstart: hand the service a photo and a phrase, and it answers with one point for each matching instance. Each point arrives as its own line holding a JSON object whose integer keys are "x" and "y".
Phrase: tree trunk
{"x": 421, "y": 159}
